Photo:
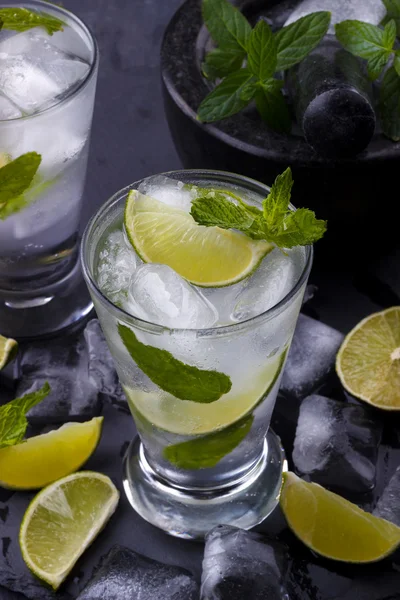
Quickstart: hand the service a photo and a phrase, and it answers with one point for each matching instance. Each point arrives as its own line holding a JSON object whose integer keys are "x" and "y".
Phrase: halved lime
{"x": 334, "y": 527}
{"x": 63, "y": 520}
{"x": 42, "y": 459}
{"x": 8, "y": 350}
{"x": 205, "y": 256}
{"x": 368, "y": 362}
{"x": 195, "y": 418}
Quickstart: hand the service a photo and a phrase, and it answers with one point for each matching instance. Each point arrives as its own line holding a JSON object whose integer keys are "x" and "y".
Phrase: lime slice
{"x": 205, "y": 256}
{"x": 42, "y": 459}
{"x": 368, "y": 362}
{"x": 195, "y": 418}
{"x": 63, "y": 520}
{"x": 334, "y": 527}
{"x": 8, "y": 350}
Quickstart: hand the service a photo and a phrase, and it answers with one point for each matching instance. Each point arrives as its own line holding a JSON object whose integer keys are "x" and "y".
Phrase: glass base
{"x": 48, "y": 311}
{"x": 191, "y": 513}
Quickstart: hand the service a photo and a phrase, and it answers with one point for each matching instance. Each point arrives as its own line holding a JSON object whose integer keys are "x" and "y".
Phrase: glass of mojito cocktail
{"x": 199, "y": 320}
{"x": 48, "y": 71}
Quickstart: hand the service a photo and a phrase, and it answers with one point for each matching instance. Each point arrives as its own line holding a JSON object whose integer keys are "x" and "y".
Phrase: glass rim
{"x": 93, "y": 46}
{"x": 156, "y": 327}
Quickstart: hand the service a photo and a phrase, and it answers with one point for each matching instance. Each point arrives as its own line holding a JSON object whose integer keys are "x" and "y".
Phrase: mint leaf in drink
{"x": 297, "y": 40}
{"x": 225, "y": 100}
{"x": 368, "y": 41}
{"x": 16, "y": 177}
{"x": 13, "y": 421}
{"x": 219, "y": 62}
{"x": 276, "y": 223}
{"x": 173, "y": 376}
{"x": 392, "y": 12}
{"x": 205, "y": 452}
{"x": 262, "y": 54}
{"x": 22, "y": 19}
{"x": 389, "y": 104}
{"x": 228, "y": 27}
{"x": 272, "y": 106}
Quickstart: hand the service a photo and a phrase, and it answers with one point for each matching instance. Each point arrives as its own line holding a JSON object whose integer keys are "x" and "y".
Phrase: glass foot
{"x": 190, "y": 513}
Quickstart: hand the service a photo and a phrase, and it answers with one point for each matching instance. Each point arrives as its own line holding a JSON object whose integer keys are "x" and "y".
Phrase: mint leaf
{"x": 173, "y": 376}
{"x": 261, "y": 58}
{"x": 272, "y": 105}
{"x": 396, "y": 64}
{"x": 367, "y": 41}
{"x": 13, "y": 422}
{"x": 299, "y": 228}
{"x": 297, "y": 40}
{"x": 389, "y": 104}
{"x": 219, "y": 62}
{"x": 392, "y": 12}
{"x": 225, "y": 100}
{"x": 276, "y": 204}
{"x": 22, "y": 19}
{"x": 17, "y": 176}
{"x": 206, "y": 452}
{"x": 226, "y": 24}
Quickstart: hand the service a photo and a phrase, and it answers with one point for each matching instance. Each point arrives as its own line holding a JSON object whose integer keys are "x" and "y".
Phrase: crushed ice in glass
{"x": 336, "y": 444}
{"x": 125, "y": 575}
{"x": 388, "y": 506}
{"x": 169, "y": 191}
{"x": 239, "y": 564}
{"x": 158, "y": 294}
{"x": 117, "y": 263}
{"x": 311, "y": 357}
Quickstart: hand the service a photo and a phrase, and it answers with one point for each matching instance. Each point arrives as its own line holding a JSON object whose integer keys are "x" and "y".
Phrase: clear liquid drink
{"x": 47, "y": 88}
{"x": 200, "y": 366}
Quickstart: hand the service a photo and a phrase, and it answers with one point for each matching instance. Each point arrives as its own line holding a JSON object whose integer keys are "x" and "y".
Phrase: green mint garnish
{"x": 266, "y": 53}
{"x": 13, "y": 422}
{"x": 15, "y": 179}
{"x": 205, "y": 452}
{"x": 173, "y": 376}
{"x": 22, "y": 19}
{"x": 392, "y": 12}
{"x": 276, "y": 223}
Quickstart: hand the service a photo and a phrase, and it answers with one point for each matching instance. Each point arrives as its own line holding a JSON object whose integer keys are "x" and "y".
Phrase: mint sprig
{"x": 13, "y": 422}
{"x": 265, "y": 53}
{"x": 276, "y": 223}
{"x": 22, "y": 19}
{"x": 15, "y": 178}
{"x": 172, "y": 375}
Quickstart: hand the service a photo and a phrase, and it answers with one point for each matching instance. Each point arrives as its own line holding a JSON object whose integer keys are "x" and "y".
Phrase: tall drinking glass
{"x": 201, "y": 398}
{"x": 47, "y": 90}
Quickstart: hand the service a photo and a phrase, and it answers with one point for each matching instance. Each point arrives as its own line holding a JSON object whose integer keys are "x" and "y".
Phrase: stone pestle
{"x": 329, "y": 90}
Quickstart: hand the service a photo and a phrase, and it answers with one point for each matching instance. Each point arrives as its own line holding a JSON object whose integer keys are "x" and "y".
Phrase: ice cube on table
{"x": 159, "y": 295}
{"x": 370, "y": 11}
{"x": 117, "y": 263}
{"x": 169, "y": 191}
{"x": 311, "y": 357}
{"x": 8, "y": 110}
{"x": 271, "y": 281}
{"x": 388, "y": 506}
{"x": 239, "y": 564}
{"x": 126, "y": 575}
{"x": 336, "y": 444}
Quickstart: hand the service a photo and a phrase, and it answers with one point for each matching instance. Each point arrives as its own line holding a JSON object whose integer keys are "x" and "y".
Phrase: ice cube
{"x": 388, "y": 506}
{"x": 117, "y": 264}
{"x": 311, "y": 357}
{"x": 336, "y": 444}
{"x": 273, "y": 279}
{"x": 370, "y": 11}
{"x": 8, "y": 110}
{"x": 158, "y": 294}
{"x": 169, "y": 191}
{"x": 126, "y": 575}
{"x": 239, "y": 564}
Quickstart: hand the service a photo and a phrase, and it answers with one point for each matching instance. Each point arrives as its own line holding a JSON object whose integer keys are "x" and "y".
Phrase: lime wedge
{"x": 194, "y": 418}
{"x": 368, "y": 362}
{"x": 63, "y": 520}
{"x": 42, "y": 459}
{"x": 205, "y": 256}
{"x": 334, "y": 527}
{"x": 8, "y": 350}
